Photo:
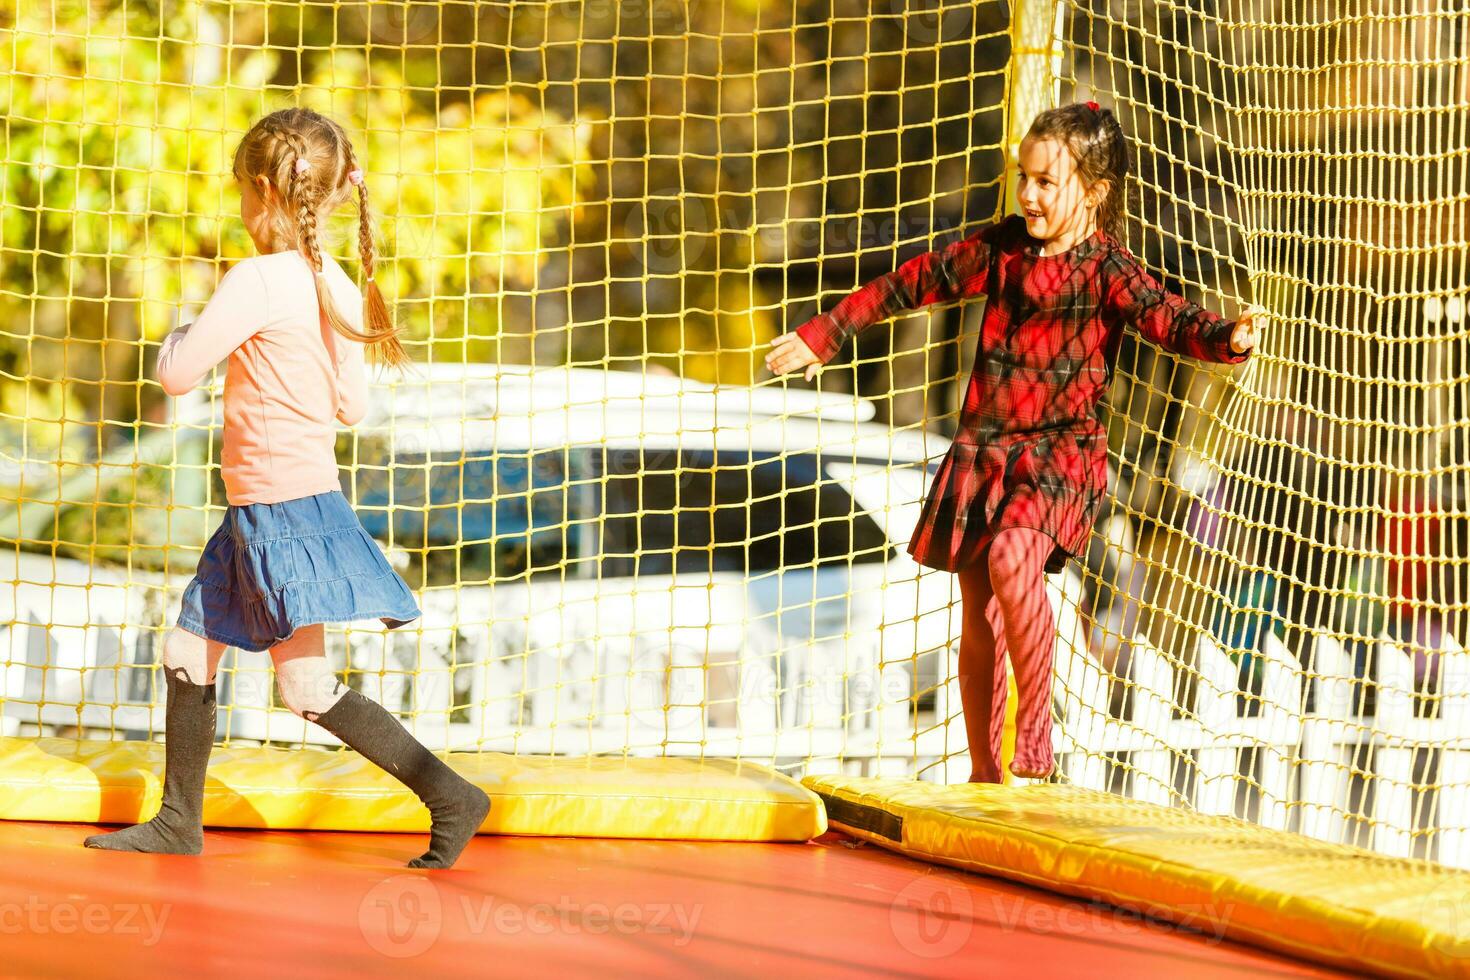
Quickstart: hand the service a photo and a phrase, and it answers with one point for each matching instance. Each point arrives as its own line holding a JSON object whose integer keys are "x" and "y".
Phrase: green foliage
{"x": 118, "y": 208}
{"x": 562, "y": 182}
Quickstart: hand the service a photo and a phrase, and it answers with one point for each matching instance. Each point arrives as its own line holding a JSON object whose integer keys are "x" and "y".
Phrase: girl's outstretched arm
{"x": 1171, "y": 321}
{"x": 959, "y": 270}
{"x": 233, "y": 314}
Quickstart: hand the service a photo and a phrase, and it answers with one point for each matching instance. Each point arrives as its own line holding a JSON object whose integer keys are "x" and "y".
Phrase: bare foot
{"x": 1030, "y": 771}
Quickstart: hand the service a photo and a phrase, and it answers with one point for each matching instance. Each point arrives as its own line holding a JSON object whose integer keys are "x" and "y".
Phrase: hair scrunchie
{"x": 302, "y": 165}
{"x": 1094, "y": 106}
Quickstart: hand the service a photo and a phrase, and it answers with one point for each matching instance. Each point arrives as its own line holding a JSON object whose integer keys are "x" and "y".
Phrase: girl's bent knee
{"x": 189, "y": 652}
{"x": 311, "y": 704}
{"x": 308, "y": 686}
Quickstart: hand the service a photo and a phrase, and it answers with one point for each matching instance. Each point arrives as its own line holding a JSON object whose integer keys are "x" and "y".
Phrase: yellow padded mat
{"x": 1330, "y": 903}
{"x": 310, "y": 789}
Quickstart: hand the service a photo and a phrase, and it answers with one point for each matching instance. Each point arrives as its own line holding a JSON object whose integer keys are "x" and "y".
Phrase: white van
{"x": 606, "y": 561}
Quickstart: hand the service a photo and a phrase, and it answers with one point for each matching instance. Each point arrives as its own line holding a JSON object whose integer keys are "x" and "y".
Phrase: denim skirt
{"x": 270, "y": 568}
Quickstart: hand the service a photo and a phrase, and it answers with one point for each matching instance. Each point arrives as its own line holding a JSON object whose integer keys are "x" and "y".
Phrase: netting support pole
{"x": 1035, "y": 74}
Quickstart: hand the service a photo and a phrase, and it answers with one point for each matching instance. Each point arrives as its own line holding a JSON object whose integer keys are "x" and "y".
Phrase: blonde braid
{"x": 302, "y": 190}
{"x": 387, "y": 348}
{"x": 285, "y": 167}
{"x": 366, "y": 249}
{"x": 306, "y": 225}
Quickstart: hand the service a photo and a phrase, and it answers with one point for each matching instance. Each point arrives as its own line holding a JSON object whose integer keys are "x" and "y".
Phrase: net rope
{"x": 625, "y": 536}
{"x": 1300, "y": 607}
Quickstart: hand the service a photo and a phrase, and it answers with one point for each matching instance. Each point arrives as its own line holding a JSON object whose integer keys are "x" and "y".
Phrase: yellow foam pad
{"x": 1331, "y": 903}
{"x": 311, "y": 789}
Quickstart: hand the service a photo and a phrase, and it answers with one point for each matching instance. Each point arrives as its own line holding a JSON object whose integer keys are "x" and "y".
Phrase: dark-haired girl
{"x": 1021, "y": 485}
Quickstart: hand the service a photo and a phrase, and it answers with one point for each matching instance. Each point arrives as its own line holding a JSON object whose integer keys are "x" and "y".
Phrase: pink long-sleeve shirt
{"x": 291, "y": 377}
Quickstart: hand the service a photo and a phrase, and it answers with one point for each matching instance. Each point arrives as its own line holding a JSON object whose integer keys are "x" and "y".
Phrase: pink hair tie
{"x": 355, "y": 176}
{"x": 302, "y": 165}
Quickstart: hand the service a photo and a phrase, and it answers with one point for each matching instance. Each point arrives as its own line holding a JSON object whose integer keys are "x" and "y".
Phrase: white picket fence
{"x": 653, "y": 665}
{"x": 1392, "y": 781}
{"x": 669, "y": 666}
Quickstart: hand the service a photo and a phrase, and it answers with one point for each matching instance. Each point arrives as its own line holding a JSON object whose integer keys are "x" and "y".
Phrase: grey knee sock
{"x": 457, "y": 806}
{"x": 178, "y": 828}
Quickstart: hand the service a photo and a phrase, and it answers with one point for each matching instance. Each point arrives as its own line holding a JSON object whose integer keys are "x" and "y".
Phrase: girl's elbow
{"x": 174, "y": 387}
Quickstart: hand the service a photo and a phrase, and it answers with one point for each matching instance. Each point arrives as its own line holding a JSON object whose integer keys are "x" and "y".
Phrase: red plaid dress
{"x": 1031, "y": 449}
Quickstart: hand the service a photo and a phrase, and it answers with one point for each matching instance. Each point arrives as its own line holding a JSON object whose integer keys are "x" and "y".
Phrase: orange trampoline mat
{"x": 284, "y": 903}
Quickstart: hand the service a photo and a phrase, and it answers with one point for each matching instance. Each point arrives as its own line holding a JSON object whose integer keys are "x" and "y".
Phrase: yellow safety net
{"x": 626, "y": 537}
